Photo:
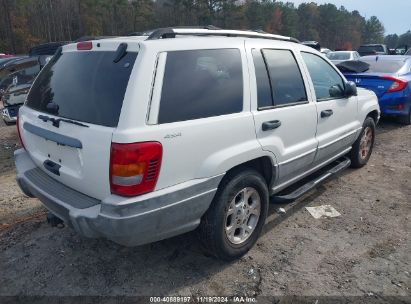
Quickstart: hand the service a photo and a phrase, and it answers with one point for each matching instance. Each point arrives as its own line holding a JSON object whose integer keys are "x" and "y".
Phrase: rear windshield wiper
{"x": 56, "y": 122}
{"x": 120, "y": 52}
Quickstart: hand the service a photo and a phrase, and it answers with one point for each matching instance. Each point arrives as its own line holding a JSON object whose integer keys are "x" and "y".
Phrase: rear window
{"x": 86, "y": 86}
{"x": 381, "y": 66}
{"x": 339, "y": 56}
{"x": 371, "y": 48}
{"x": 201, "y": 83}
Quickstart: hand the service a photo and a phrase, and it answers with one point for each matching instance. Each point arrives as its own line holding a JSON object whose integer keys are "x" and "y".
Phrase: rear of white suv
{"x": 118, "y": 146}
{"x": 66, "y": 128}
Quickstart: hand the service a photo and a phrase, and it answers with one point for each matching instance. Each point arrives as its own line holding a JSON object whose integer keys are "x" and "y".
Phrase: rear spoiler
{"x": 353, "y": 66}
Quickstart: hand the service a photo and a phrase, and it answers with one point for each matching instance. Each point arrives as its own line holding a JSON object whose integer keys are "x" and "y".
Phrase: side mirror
{"x": 350, "y": 89}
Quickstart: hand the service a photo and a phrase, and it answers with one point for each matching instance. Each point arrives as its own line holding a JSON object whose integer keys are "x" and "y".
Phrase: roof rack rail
{"x": 149, "y": 32}
{"x": 170, "y": 32}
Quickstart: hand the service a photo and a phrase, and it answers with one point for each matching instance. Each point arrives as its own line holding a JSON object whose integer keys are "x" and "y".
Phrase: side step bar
{"x": 343, "y": 164}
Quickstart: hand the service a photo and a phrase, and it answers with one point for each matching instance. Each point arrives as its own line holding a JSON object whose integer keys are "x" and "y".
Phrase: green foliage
{"x": 24, "y": 23}
{"x": 374, "y": 31}
{"x": 391, "y": 41}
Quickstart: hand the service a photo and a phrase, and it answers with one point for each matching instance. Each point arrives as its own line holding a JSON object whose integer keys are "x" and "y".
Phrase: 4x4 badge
{"x": 173, "y": 135}
{"x": 357, "y": 80}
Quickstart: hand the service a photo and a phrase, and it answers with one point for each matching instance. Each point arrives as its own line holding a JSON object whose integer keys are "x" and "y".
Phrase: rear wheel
{"x": 236, "y": 216}
{"x": 362, "y": 148}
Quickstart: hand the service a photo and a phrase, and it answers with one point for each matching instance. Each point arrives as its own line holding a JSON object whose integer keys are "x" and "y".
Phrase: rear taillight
{"x": 134, "y": 168}
{"x": 18, "y": 131}
{"x": 84, "y": 46}
{"x": 397, "y": 85}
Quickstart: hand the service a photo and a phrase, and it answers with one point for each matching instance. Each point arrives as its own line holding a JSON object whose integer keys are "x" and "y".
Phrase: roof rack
{"x": 149, "y": 32}
{"x": 88, "y": 38}
{"x": 169, "y": 32}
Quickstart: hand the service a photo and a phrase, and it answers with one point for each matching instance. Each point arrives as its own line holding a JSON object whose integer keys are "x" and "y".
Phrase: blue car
{"x": 389, "y": 76}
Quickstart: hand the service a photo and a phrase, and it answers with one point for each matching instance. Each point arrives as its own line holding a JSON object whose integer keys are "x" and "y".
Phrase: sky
{"x": 394, "y": 14}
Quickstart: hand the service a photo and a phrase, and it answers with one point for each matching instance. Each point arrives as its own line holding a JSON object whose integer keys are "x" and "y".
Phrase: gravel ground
{"x": 364, "y": 252}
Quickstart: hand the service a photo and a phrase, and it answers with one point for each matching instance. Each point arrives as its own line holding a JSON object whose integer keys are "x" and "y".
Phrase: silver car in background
{"x": 340, "y": 56}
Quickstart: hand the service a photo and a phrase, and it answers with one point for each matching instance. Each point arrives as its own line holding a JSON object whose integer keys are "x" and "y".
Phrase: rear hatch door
{"x": 70, "y": 114}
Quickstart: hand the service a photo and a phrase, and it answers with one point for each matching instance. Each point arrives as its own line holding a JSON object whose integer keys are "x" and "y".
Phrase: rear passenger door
{"x": 285, "y": 118}
{"x": 337, "y": 115}
{"x": 200, "y": 111}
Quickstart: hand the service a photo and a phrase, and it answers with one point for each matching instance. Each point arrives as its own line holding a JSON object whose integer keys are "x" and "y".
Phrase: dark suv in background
{"x": 17, "y": 76}
{"x": 373, "y": 49}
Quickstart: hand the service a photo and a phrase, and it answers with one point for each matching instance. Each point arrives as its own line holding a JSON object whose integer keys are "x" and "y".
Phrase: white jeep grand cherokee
{"x": 138, "y": 139}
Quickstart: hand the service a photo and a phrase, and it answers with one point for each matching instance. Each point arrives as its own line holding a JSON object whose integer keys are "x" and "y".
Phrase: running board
{"x": 343, "y": 164}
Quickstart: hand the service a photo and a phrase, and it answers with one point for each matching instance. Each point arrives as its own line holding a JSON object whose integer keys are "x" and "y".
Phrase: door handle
{"x": 271, "y": 125}
{"x": 326, "y": 113}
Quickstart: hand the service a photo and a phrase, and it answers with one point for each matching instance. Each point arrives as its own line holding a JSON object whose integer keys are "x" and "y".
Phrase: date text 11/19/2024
{"x": 203, "y": 299}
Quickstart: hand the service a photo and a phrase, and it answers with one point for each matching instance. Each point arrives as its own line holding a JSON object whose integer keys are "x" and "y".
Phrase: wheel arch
{"x": 263, "y": 165}
{"x": 375, "y": 115}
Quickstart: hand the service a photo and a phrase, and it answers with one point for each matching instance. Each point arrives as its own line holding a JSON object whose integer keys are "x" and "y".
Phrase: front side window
{"x": 201, "y": 83}
{"x": 328, "y": 84}
{"x": 287, "y": 84}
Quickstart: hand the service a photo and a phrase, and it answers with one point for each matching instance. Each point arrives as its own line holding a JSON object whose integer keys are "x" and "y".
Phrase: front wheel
{"x": 236, "y": 216}
{"x": 362, "y": 148}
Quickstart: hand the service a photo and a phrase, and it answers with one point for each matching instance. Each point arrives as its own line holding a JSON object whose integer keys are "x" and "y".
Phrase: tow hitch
{"x": 54, "y": 221}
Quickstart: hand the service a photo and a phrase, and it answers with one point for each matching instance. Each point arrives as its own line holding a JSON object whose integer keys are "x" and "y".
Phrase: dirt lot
{"x": 365, "y": 251}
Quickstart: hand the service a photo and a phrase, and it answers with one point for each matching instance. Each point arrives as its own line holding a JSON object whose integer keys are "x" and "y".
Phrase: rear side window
{"x": 264, "y": 97}
{"x": 287, "y": 84}
{"x": 201, "y": 83}
{"x": 86, "y": 86}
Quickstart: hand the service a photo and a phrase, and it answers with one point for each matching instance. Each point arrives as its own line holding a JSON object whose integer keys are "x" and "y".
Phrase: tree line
{"x": 25, "y": 23}
{"x": 393, "y": 41}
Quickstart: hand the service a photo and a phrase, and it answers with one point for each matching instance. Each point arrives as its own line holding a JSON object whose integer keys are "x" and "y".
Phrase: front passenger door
{"x": 337, "y": 115}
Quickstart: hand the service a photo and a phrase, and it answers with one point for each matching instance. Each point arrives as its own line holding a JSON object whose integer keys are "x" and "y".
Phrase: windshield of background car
{"x": 339, "y": 56}
{"x": 86, "y": 86}
{"x": 384, "y": 66}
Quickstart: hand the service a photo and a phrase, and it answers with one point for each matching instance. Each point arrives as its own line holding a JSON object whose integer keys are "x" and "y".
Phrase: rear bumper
{"x": 395, "y": 106}
{"x": 127, "y": 221}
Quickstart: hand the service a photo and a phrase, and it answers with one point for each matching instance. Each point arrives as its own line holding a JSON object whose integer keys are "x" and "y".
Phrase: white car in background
{"x": 325, "y": 51}
{"x": 341, "y": 56}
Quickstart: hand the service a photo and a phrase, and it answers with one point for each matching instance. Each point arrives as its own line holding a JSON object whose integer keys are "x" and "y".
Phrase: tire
{"x": 218, "y": 239}
{"x": 360, "y": 153}
{"x": 406, "y": 119}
